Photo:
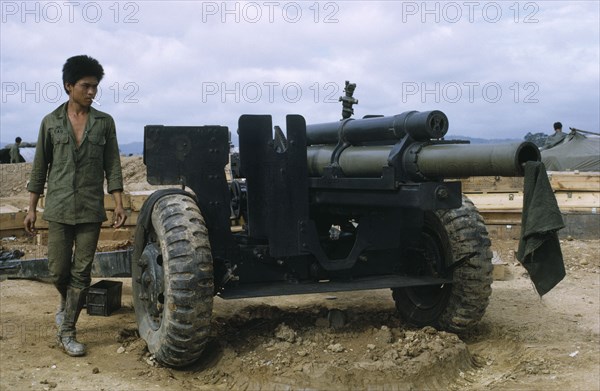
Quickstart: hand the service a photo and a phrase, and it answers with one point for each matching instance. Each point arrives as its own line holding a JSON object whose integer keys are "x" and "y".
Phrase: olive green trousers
{"x": 71, "y": 250}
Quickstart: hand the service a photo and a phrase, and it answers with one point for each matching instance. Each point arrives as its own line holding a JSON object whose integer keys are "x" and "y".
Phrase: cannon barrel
{"x": 420, "y": 126}
{"x": 423, "y": 161}
{"x": 459, "y": 161}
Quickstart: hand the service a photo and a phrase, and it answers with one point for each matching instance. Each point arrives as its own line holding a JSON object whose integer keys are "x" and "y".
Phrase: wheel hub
{"x": 152, "y": 283}
{"x": 428, "y": 296}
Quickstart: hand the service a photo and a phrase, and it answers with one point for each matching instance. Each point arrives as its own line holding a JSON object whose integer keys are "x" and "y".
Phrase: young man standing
{"x": 76, "y": 149}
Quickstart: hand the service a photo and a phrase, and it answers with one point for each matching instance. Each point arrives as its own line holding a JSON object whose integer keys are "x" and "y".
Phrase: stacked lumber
{"x": 500, "y": 201}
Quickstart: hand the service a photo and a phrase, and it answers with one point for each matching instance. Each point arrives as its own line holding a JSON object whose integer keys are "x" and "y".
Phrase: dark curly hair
{"x": 78, "y": 67}
{"x": 557, "y": 125}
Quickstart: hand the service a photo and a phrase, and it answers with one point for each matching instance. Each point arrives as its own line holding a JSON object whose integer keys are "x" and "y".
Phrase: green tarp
{"x": 575, "y": 152}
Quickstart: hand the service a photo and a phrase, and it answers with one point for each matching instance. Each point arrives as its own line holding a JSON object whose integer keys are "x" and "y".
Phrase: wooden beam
{"x": 568, "y": 202}
{"x": 574, "y": 181}
{"x": 559, "y": 180}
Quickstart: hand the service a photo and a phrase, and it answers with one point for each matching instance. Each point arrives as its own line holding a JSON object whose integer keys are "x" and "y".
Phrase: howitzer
{"x": 347, "y": 205}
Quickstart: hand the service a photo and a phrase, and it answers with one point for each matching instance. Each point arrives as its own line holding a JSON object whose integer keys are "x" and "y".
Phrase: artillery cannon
{"x": 354, "y": 204}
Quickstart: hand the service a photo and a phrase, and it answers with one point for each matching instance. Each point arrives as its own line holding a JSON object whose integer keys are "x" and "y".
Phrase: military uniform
{"x": 76, "y": 175}
{"x": 74, "y": 206}
{"x": 15, "y": 157}
{"x": 554, "y": 140}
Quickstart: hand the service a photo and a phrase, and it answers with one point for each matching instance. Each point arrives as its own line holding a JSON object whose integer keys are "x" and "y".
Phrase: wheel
{"x": 454, "y": 235}
{"x": 173, "y": 282}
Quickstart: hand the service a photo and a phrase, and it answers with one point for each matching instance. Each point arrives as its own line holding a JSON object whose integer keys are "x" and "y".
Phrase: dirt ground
{"x": 341, "y": 341}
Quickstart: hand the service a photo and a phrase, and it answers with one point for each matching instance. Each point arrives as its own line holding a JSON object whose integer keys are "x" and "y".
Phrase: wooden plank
{"x": 117, "y": 234}
{"x": 18, "y": 232}
{"x": 502, "y": 217}
{"x": 10, "y": 221}
{"x": 138, "y": 198}
{"x": 109, "y": 201}
{"x": 567, "y": 201}
{"x": 497, "y": 201}
{"x": 559, "y": 180}
{"x": 491, "y": 184}
{"x": 574, "y": 181}
{"x": 578, "y": 201}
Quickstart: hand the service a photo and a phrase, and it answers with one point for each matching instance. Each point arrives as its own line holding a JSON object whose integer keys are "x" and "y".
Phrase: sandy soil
{"x": 336, "y": 341}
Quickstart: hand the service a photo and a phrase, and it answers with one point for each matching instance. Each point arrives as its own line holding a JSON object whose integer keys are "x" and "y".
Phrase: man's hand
{"x": 119, "y": 217}
{"x": 29, "y": 222}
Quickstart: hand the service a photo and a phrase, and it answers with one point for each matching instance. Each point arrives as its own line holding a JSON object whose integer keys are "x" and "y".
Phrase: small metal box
{"x": 104, "y": 297}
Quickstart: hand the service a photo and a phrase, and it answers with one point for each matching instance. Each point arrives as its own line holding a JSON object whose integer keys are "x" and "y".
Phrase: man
{"x": 15, "y": 156}
{"x": 77, "y": 147}
{"x": 556, "y": 138}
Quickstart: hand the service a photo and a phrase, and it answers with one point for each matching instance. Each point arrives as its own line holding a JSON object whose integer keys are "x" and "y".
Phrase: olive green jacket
{"x": 76, "y": 175}
{"x": 554, "y": 140}
{"x": 14, "y": 154}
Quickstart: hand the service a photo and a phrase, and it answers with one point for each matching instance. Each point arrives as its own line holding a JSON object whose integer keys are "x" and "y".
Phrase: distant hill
{"x": 135, "y": 148}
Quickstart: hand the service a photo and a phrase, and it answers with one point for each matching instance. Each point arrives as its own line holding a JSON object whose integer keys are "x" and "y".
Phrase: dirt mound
{"x": 323, "y": 348}
{"x": 14, "y": 178}
{"x": 134, "y": 173}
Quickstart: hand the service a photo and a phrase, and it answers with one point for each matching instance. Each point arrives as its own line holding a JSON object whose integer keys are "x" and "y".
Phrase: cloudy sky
{"x": 496, "y": 68}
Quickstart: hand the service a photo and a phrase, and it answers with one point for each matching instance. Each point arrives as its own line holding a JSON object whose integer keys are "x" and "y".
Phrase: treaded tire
{"x": 461, "y": 234}
{"x": 173, "y": 283}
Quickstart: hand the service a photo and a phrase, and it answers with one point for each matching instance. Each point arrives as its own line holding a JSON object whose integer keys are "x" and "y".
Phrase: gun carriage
{"x": 353, "y": 204}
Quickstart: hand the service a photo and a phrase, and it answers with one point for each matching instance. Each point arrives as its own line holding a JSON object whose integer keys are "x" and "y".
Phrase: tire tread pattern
{"x": 473, "y": 280}
{"x": 188, "y": 282}
{"x": 469, "y": 294}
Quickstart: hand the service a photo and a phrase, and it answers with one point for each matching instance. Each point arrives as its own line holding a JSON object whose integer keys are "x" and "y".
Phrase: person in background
{"x": 76, "y": 149}
{"x": 15, "y": 156}
{"x": 556, "y": 138}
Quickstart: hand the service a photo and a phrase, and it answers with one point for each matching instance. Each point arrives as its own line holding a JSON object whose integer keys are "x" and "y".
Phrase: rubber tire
{"x": 463, "y": 303}
{"x": 181, "y": 235}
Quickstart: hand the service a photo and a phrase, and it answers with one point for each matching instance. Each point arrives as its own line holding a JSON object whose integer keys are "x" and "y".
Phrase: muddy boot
{"x": 60, "y": 311}
{"x": 67, "y": 334}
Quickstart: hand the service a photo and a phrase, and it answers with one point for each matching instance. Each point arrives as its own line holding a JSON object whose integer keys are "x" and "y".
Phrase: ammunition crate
{"x": 104, "y": 297}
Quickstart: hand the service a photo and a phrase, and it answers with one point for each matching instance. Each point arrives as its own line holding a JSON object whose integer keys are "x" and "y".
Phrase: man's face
{"x": 83, "y": 91}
